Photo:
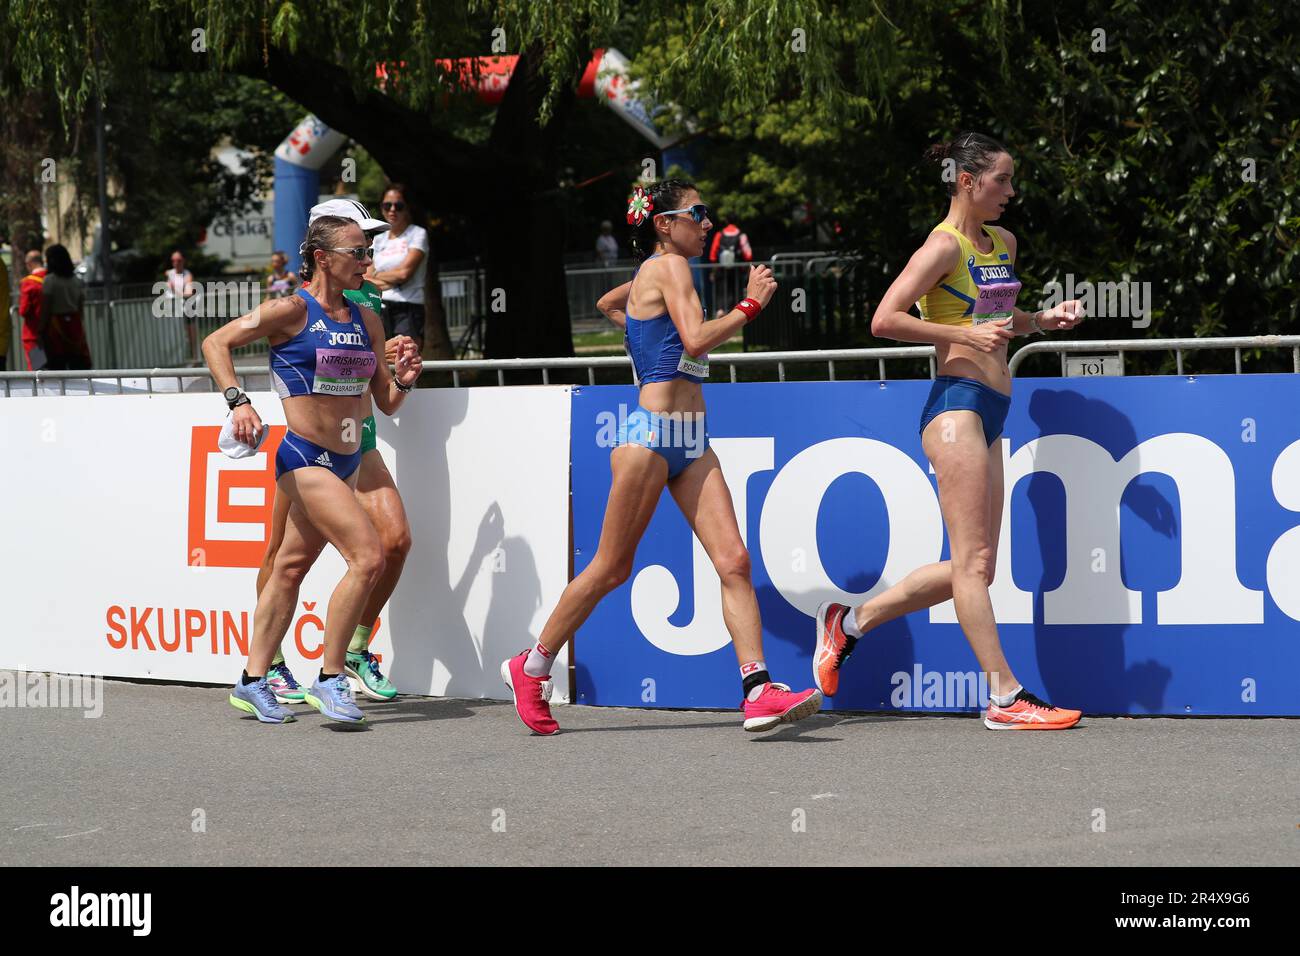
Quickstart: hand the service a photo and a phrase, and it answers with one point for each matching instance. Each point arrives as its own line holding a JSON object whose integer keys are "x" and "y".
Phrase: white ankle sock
{"x": 1004, "y": 700}
{"x": 850, "y": 623}
{"x": 539, "y": 661}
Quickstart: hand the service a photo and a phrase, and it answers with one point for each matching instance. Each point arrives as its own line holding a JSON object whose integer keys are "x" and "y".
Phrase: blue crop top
{"x": 656, "y": 350}
{"x": 326, "y": 358}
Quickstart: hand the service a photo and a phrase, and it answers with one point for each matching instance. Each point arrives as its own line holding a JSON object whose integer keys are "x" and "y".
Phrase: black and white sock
{"x": 754, "y": 678}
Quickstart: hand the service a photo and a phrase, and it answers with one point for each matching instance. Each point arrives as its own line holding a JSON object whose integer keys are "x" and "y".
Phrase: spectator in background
{"x": 606, "y": 244}
{"x": 62, "y": 300}
{"x": 180, "y": 286}
{"x": 398, "y": 272}
{"x": 729, "y": 246}
{"x": 279, "y": 280}
{"x": 6, "y": 326}
{"x": 29, "y": 307}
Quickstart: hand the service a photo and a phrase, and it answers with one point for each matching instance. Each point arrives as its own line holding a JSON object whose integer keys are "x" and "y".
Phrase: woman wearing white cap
{"x": 377, "y": 494}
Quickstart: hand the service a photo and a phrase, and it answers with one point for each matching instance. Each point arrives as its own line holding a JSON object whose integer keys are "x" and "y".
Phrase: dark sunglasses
{"x": 699, "y": 212}
{"x": 395, "y": 206}
{"x": 360, "y": 253}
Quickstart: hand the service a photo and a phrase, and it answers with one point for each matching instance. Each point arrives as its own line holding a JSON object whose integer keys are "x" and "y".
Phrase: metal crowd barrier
{"x": 148, "y": 331}
{"x": 132, "y": 331}
{"x": 199, "y": 379}
{"x": 1177, "y": 346}
{"x": 733, "y": 360}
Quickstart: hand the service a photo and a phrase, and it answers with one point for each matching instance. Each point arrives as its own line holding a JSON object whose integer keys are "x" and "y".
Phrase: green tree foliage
{"x": 1162, "y": 151}
{"x": 161, "y": 131}
{"x": 175, "y": 188}
{"x": 1153, "y": 141}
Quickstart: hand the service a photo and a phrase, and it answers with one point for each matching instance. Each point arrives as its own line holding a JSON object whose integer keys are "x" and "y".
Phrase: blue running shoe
{"x": 259, "y": 700}
{"x": 333, "y": 698}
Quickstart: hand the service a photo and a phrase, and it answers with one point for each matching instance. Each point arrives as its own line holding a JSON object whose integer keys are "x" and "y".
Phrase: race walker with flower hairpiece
{"x": 664, "y": 443}
{"x": 639, "y": 205}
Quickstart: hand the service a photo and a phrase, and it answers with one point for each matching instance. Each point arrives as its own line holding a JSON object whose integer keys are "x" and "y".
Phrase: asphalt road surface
{"x": 173, "y": 775}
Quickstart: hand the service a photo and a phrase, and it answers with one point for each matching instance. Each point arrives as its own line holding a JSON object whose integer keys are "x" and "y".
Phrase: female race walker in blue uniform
{"x": 963, "y": 279}
{"x": 322, "y": 363}
{"x": 665, "y": 442}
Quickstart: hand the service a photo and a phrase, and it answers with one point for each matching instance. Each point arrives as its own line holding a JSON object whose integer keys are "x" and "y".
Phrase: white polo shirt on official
{"x": 390, "y": 253}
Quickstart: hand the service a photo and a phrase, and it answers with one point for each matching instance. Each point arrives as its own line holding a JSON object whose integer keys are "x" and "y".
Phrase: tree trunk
{"x": 523, "y": 240}
{"x": 527, "y": 302}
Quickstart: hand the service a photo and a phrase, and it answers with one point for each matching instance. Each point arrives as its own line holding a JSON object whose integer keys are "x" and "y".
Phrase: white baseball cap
{"x": 347, "y": 209}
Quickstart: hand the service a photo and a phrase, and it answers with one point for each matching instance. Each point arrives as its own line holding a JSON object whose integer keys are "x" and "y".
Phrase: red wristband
{"x": 750, "y": 307}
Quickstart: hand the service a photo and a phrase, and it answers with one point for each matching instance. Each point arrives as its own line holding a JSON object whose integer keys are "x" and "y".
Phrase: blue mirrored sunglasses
{"x": 699, "y": 212}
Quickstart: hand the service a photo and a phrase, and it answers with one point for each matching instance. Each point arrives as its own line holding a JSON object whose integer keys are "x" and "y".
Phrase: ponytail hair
{"x": 665, "y": 194}
{"x": 322, "y": 234}
{"x": 972, "y": 152}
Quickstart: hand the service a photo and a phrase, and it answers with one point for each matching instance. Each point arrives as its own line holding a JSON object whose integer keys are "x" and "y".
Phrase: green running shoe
{"x": 286, "y": 689}
{"x": 365, "y": 670}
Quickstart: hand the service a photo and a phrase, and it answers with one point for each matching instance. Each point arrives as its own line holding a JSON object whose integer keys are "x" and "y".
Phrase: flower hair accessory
{"x": 639, "y": 205}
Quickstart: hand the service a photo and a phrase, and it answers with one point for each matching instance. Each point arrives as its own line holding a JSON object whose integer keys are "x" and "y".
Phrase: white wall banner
{"x": 132, "y": 543}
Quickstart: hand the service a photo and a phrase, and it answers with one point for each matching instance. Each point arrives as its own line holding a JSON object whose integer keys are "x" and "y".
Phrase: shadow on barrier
{"x": 433, "y": 643}
{"x": 1086, "y": 663}
{"x": 1090, "y": 659}
{"x": 511, "y": 607}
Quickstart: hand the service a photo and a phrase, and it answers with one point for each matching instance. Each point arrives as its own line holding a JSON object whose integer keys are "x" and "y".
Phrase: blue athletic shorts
{"x": 950, "y": 394}
{"x": 297, "y": 452}
{"x": 679, "y": 438}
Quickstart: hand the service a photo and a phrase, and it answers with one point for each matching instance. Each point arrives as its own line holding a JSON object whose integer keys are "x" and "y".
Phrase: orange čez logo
{"x": 231, "y": 500}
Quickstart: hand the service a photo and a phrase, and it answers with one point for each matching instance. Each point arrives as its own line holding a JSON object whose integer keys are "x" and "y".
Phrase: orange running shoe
{"x": 833, "y": 647}
{"x": 1027, "y": 712}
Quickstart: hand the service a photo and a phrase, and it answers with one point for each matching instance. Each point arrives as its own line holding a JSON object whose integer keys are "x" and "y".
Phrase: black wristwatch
{"x": 404, "y": 388}
{"x": 234, "y": 397}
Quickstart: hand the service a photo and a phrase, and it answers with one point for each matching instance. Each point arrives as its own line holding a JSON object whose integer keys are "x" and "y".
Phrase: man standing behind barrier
{"x": 180, "y": 286}
{"x": 606, "y": 244}
{"x": 728, "y": 246}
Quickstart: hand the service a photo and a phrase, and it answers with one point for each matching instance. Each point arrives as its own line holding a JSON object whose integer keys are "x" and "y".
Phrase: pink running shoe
{"x": 532, "y": 696}
{"x": 777, "y": 705}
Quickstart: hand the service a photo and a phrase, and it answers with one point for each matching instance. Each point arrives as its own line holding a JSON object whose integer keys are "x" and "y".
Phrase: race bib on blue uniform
{"x": 690, "y": 365}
